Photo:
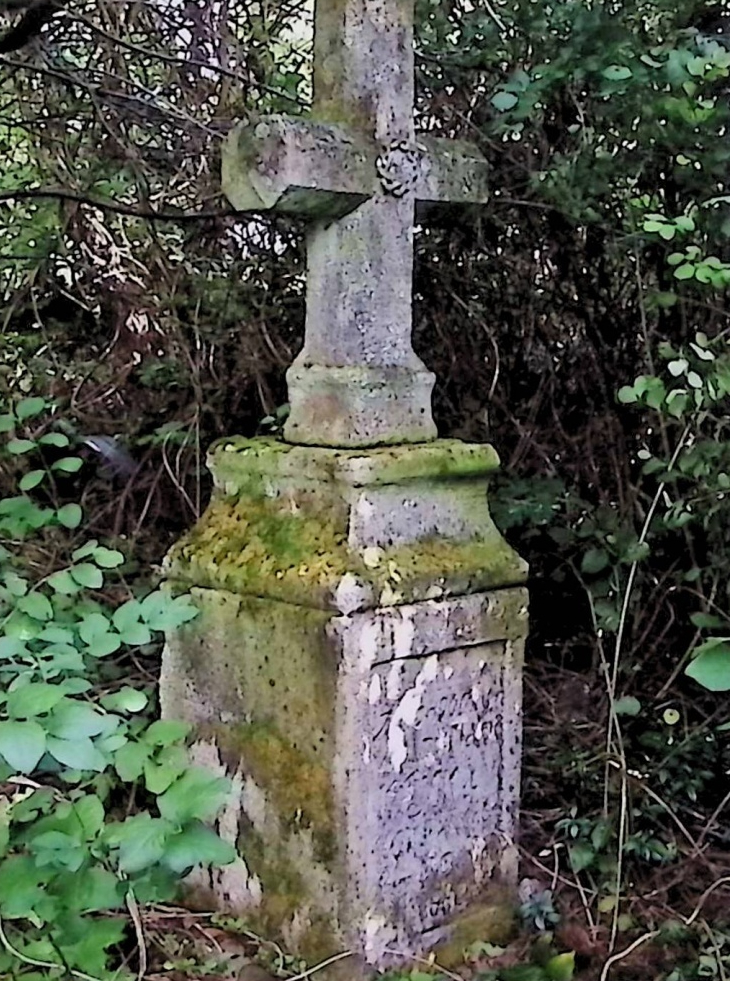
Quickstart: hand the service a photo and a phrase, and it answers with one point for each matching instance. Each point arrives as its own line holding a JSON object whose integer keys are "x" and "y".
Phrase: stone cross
{"x": 356, "y": 665}
{"x": 357, "y": 168}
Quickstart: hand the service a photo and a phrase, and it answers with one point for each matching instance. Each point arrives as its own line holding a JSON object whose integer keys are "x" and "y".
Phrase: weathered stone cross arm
{"x": 320, "y": 170}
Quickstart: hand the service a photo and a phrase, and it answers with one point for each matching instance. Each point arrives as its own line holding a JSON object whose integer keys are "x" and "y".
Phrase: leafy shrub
{"x": 75, "y": 744}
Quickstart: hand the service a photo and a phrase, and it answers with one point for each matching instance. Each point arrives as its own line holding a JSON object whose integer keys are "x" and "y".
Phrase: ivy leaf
{"x": 70, "y": 515}
{"x": 197, "y": 845}
{"x": 22, "y": 744}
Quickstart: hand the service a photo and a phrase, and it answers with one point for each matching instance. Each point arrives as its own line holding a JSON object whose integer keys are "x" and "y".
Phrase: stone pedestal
{"x": 356, "y": 670}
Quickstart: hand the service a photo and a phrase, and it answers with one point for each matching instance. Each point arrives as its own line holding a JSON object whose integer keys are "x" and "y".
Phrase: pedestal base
{"x": 366, "y": 705}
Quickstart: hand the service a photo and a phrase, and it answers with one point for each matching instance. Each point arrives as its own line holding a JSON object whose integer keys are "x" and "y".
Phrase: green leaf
{"x": 33, "y": 699}
{"x": 504, "y": 101}
{"x": 129, "y": 761}
{"x": 198, "y": 845}
{"x": 59, "y": 440}
{"x": 707, "y": 621}
{"x": 136, "y": 634}
{"x": 104, "y": 644}
{"x": 127, "y": 614}
{"x": 108, "y": 558}
{"x": 27, "y": 408}
{"x": 195, "y": 795}
{"x": 595, "y": 560}
{"x": 22, "y": 744}
{"x": 7, "y": 423}
{"x": 92, "y": 626}
{"x": 627, "y": 395}
{"x": 75, "y": 719}
{"x": 19, "y": 446}
{"x": 685, "y": 271}
{"x": 616, "y": 73}
{"x": 628, "y": 705}
{"x": 97, "y": 889}
{"x": 165, "y": 732}
{"x": 561, "y": 967}
{"x": 710, "y": 665}
{"x": 142, "y": 840}
{"x": 31, "y": 479}
{"x": 62, "y": 582}
{"x": 581, "y": 856}
{"x": 125, "y": 700}
{"x": 89, "y": 812}
{"x": 68, "y": 464}
{"x": 70, "y": 515}
{"x": 78, "y": 754}
{"x": 37, "y": 606}
{"x": 161, "y": 773}
{"x": 87, "y": 575}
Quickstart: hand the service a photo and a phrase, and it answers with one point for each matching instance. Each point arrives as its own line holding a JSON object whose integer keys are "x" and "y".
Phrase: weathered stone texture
{"x": 357, "y": 673}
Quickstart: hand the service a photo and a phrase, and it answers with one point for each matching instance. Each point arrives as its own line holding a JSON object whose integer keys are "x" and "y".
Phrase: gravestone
{"x": 356, "y": 665}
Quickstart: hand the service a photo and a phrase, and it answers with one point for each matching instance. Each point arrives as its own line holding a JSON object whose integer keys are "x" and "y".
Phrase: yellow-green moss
{"x": 492, "y": 921}
{"x": 299, "y": 789}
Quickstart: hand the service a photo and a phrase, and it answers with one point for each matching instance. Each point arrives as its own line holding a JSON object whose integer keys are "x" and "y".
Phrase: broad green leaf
{"x": 31, "y": 479}
{"x": 129, "y": 761}
{"x": 581, "y": 856}
{"x": 710, "y": 665}
{"x": 108, "y": 558}
{"x": 74, "y": 719}
{"x": 22, "y": 744}
{"x": 195, "y": 795}
{"x": 92, "y": 626}
{"x": 627, "y": 395}
{"x": 104, "y": 645}
{"x": 561, "y": 967}
{"x": 161, "y": 773}
{"x": 19, "y": 446}
{"x": 97, "y": 889}
{"x": 7, "y": 423}
{"x": 32, "y": 700}
{"x": 85, "y": 550}
{"x": 125, "y": 700}
{"x": 68, "y": 464}
{"x": 36, "y": 605}
{"x": 165, "y": 732}
{"x": 196, "y": 845}
{"x": 79, "y": 754}
{"x": 70, "y": 515}
{"x": 136, "y": 634}
{"x": 16, "y": 585}
{"x": 142, "y": 840}
{"x": 63, "y": 582}
{"x": 27, "y": 408}
{"x": 89, "y": 811}
{"x": 21, "y": 886}
{"x": 87, "y": 575}
{"x": 127, "y": 614}
{"x": 595, "y": 560}
{"x": 58, "y": 440}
